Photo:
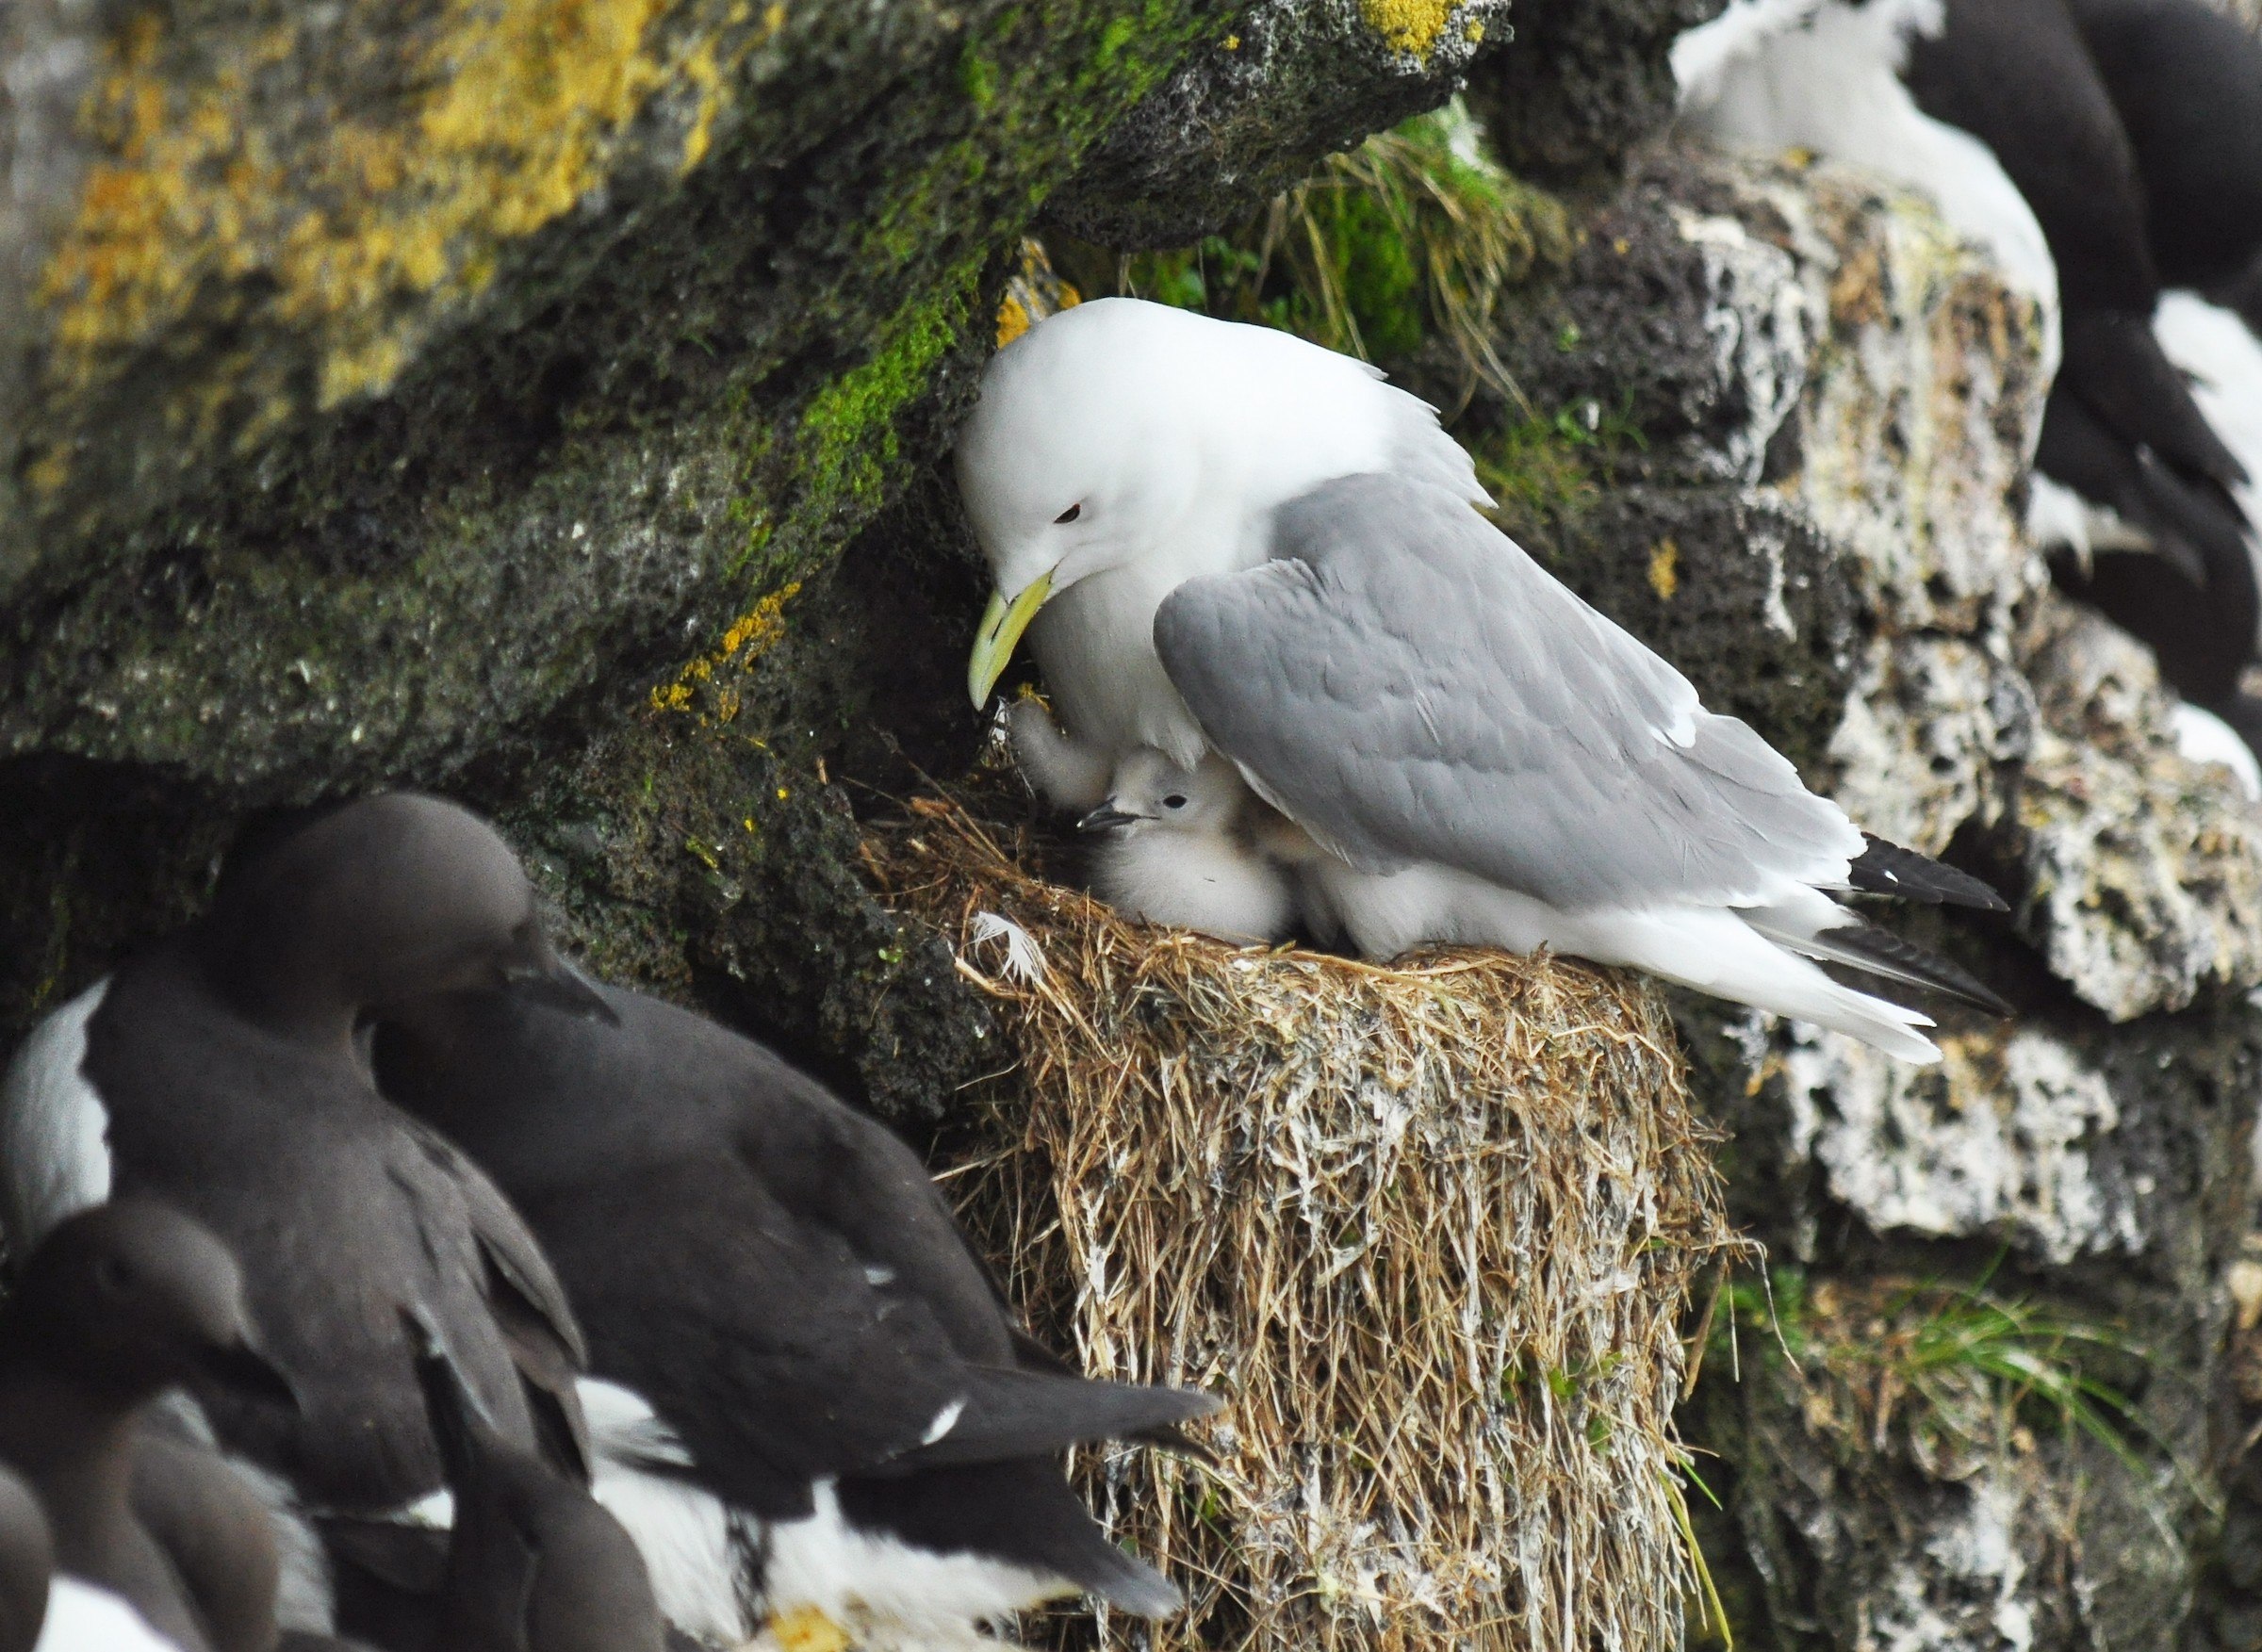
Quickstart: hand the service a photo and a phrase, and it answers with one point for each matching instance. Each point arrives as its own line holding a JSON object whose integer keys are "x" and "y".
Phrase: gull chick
{"x": 1189, "y": 847}
{"x": 1223, "y": 538}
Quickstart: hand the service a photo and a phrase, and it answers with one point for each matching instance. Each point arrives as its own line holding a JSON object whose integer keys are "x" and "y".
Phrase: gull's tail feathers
{"x": 1713, "y": 950}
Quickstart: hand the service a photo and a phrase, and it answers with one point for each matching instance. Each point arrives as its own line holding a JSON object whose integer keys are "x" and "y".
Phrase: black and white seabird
{"x": 2131, "y": 475}
{"x": 813, "y": 1398}
{"x": 2186, "y": 83}
{"x": 116, "y": 1305}
{"x": 219, "y": 1069}
{"x": 42, "y": 1611}
{"x": 535, "y": 1564}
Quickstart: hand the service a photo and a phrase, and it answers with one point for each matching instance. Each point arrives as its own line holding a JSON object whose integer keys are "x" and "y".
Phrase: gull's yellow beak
{"x": 1002, "y": 623}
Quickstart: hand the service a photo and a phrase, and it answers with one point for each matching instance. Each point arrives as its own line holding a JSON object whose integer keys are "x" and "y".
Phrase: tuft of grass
{"x": 1950, "y": 1371}
{"x": 1416, "y": 233}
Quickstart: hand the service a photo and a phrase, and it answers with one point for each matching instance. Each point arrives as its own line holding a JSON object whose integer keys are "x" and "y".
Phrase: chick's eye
{"x": 1175, "y": 800}
{"x": 1070, "y": 514}
{"x": 112, "y": 1275}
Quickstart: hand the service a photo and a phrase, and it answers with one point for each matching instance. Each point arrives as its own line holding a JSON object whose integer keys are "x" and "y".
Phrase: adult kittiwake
{"x": 1221, "y": 536}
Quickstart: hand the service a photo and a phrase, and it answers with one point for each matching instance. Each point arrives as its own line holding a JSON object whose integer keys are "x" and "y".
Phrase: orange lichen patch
{"x": 351, "y": 228}
{"x": 1407, "y": 25}
{"x": 1033, "y": 292}
{"x": 807, "y": 1629}
{"x": 751, "y": 636}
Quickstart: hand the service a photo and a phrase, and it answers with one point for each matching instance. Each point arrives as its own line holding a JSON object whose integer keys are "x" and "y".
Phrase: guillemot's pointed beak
{"x": 1002, "y": 623}
{"x": 1107, "y": 817}
{"x": 538, "y": 975}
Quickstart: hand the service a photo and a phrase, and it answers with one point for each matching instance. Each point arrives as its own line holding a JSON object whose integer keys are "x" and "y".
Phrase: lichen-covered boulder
{"x": 388, "y": 376}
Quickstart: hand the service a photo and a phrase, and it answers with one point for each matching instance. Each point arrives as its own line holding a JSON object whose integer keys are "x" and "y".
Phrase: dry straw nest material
{"x": 1431, "y": 1233}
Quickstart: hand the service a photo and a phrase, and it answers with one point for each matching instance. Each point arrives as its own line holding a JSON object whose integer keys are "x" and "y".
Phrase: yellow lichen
{"x": 1664, "y": 569}
{"x": 1407, "y": 25}
{"x": 1012, "y": 319}
{"x": 350, "y": 231}
{"x": 751, "y": 636}
{"x": 1033, "y": 292}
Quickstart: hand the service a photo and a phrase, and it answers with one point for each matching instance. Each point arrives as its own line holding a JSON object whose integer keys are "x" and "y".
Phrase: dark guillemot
{"x": 26, "y": 1565}
{"x": 43, "y": 1611}
{"x": 813, "y": 1398}
{"x": 116, "y": 1305}
{"x": 220, "y": 1069}
{"x": 2187, "y": 82}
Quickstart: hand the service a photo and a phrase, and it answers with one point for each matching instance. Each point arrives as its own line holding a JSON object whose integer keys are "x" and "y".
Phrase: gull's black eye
{"x": 1175, "y": 800}
{"x": 1070, "y": 514}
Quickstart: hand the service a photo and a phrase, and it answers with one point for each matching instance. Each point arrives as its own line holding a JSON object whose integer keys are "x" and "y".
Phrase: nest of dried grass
{"x": 1430, "y": 1232}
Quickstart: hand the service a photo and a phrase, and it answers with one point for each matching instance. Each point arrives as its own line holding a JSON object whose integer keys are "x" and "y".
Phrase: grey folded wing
{"x": 1405, "y": 683}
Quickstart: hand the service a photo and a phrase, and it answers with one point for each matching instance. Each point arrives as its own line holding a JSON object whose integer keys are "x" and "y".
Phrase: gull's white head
{"x": 1150, "y": 792}
{"x": 1085, "y": 445}
{"x": 1119, "y": 431}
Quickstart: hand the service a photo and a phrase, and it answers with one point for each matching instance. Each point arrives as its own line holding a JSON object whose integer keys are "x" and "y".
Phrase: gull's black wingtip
{"x": 1887, "y": 869}
{"x": 1864, "y": 946}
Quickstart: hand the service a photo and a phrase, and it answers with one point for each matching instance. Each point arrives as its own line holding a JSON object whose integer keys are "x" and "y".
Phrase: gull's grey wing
{"x": 1406, "y": 684}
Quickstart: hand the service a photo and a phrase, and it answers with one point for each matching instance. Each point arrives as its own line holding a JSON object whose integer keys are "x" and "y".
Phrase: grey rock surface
{"x": 1585, "y": 87}
{"x": 1813, "y": 359}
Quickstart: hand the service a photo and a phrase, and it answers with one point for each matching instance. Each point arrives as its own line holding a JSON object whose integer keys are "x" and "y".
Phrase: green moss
{"x": 977, "y": 79}
{"x": 1113, "y": 39}
{"x": 1545, "y": 469}
{"x": 1415, "y": 232}
{"x": 848, "y": 435}
{"x": 1946, "y": 1367}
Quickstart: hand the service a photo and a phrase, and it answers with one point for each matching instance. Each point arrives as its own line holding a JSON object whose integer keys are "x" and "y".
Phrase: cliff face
{"x": 1982, "y": 1408}
{"x": 541, "y": 401}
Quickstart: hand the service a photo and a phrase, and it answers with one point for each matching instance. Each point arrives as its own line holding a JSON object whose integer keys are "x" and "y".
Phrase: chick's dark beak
{"x": 1107, "y": 818}
{"x": 538, "y": 974}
